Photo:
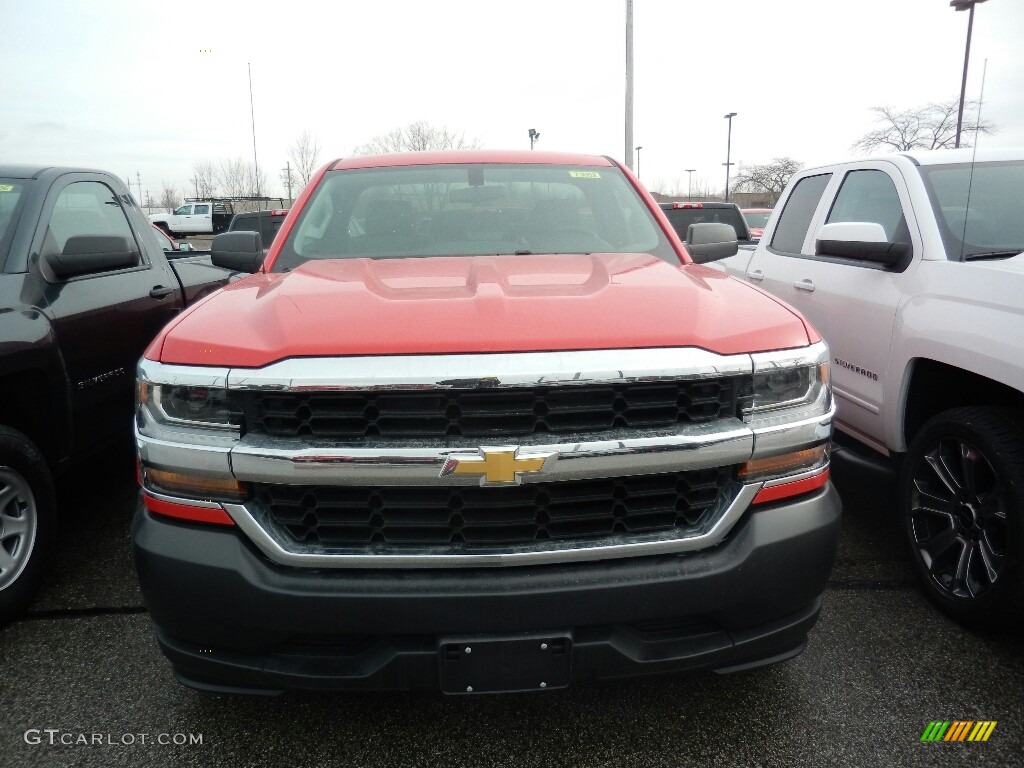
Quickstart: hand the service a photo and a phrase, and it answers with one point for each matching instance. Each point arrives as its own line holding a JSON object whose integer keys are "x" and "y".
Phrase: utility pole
{"x": 689, "y": 185}
{"x": 288, "y": 180}
{"x": 629, "y": 84}
{"x": 138, "y": 186}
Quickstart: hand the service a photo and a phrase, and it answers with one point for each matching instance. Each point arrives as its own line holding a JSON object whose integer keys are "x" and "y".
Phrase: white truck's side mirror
{"x": 861, "y": 240}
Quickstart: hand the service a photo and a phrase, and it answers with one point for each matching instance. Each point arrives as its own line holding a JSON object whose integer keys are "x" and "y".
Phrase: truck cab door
{"x": 178, "y": 220}
{"x": 202, "y": 218}
{"x": 852, "y": 302}
{"x": 103, "y": 319}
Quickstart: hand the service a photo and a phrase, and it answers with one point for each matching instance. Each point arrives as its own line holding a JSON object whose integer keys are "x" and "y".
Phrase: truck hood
{"x": 450, "y": 305}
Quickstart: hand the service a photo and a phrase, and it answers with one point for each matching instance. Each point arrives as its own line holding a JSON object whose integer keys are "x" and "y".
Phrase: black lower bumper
{"x": 229, "y": 620}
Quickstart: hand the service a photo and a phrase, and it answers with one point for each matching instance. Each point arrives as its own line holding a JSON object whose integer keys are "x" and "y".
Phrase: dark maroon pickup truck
{"x": 84, "y": 287}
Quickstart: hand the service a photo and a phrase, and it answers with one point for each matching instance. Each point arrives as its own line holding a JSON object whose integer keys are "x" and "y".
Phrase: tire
{"x": 962, "y": 508}
{"x": 27, "y": 521}
{"x": 166, "y": 229}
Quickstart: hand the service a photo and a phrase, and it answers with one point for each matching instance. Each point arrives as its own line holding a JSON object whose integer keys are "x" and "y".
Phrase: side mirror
{"x": 861, "y": 240}
{"x": 85, "y": 254}
{"x": 238, "y": 251}
{"x": 711, "y": 242}
{"x": 183, "y": 246}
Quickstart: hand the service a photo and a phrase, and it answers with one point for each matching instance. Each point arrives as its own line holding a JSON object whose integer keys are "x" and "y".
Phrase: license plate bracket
{"x": 505, "y": 664}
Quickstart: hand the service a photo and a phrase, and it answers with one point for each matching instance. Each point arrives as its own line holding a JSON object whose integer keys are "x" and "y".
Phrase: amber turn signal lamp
{"x": 211, "y": 488}
{"x": 787, "y": 463}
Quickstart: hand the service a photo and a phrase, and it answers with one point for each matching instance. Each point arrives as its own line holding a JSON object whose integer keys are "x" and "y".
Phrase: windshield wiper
{"x": 991, "y": 255}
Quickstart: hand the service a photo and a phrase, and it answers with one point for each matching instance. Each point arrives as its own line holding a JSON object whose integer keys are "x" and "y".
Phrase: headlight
{"x": 790, "y": 412}
{"x": 789, "y": 385}
{"x": 186, "y": 405}
{"x": 181, "y": 400}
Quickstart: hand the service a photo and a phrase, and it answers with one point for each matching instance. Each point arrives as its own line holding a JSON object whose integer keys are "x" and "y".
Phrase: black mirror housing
{"x": 239, "y": 251}
{"x": 711, "y": 241}
{"x": 888, "y": 254}
{"x": 86, "y": 254}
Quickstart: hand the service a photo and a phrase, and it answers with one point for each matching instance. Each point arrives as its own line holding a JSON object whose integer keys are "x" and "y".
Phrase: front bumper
{"x": 230, "y": 620}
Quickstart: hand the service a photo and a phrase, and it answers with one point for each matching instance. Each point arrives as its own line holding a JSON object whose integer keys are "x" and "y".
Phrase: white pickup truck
{"x": 195, "y": 217}
{"x": 911, "y": 268}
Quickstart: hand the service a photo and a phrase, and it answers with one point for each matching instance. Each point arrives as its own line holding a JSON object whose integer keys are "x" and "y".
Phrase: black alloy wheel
{"x": 962, "y": 502}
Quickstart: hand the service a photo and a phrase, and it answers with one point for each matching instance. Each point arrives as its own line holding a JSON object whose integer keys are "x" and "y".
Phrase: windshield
{"x": 757, "y": 219}
{"x": 165, "y": 242}
{"x": 682, "y": 218}
{"x": 472, "y": 209}
{"x": 979, "y": 210}
{"x": 10, "y": 197}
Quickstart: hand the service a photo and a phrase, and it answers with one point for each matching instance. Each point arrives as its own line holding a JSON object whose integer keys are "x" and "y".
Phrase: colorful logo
{"x": 496, "y": 466}
{"x": 958, "y": 730}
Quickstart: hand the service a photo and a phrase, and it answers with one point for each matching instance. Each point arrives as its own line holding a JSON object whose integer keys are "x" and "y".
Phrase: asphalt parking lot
{"x": 84, "y": 683}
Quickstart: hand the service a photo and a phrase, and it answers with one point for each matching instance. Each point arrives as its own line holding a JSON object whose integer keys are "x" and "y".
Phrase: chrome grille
{"x": 398, "y": 517}
{"x": 485, "y": 412}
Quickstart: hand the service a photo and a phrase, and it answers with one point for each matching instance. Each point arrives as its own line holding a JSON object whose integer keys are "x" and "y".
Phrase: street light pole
{"x": 689, "y": 184}
{"x": 638, "y": 161}
{"x": 629, "y": 84}
{"x": 964, "y": 5}
{"x": 728, "y": 155}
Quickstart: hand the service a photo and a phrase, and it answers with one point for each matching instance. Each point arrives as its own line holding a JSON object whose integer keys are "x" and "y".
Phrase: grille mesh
{"x": 477, "y": 517}
{"x": 484, "y": 412}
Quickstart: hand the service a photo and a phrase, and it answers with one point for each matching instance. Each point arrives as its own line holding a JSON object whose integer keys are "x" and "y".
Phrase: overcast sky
{"x": 154, "y": 87}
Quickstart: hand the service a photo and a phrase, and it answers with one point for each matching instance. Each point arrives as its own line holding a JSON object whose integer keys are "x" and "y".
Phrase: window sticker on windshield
{"x": 6, "y": 187}
{"x": 585, "y": 174}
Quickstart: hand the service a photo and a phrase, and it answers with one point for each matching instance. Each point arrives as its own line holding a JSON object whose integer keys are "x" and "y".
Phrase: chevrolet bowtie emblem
{"x": 496, "y": 466}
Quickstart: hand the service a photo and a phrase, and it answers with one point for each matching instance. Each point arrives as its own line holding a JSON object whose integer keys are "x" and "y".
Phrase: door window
{"x": 85, "y": 208}
{"x": 202, "y": 209}
{"x": 796, "y": 216}
{"x": 183, "y": 210}
{"x": 870, "y": 195}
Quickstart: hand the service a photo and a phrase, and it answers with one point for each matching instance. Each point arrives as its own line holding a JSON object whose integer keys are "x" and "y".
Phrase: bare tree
{"x": 932, "y": 126}
{"x": 205, "y": 179}
{"x": 233, "y": 177}
{"x": 417, "y": 137}
{"x": 169, "y": 197}
{"x": 305, "y": 157}
{"x": 679, "y": 189}
{"x": 255, "y": 185}
{"x": 770, "y": 178}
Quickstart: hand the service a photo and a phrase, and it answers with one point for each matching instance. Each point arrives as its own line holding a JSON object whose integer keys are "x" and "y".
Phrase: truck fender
{"x": 957, "y": 332}
{"x": 33, "y": 373}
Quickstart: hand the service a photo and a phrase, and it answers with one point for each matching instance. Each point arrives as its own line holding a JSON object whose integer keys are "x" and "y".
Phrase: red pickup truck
{"x": 479, "y": 423}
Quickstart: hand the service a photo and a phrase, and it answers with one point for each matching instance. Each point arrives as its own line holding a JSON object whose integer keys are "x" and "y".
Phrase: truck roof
{"x": 469, "y": 156}
{"x": 13, "y": 171}
{"x": 936, "y": 156}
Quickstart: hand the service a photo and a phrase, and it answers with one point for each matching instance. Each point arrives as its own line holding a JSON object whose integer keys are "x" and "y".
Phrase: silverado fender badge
{"x": 496, "y": 466}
